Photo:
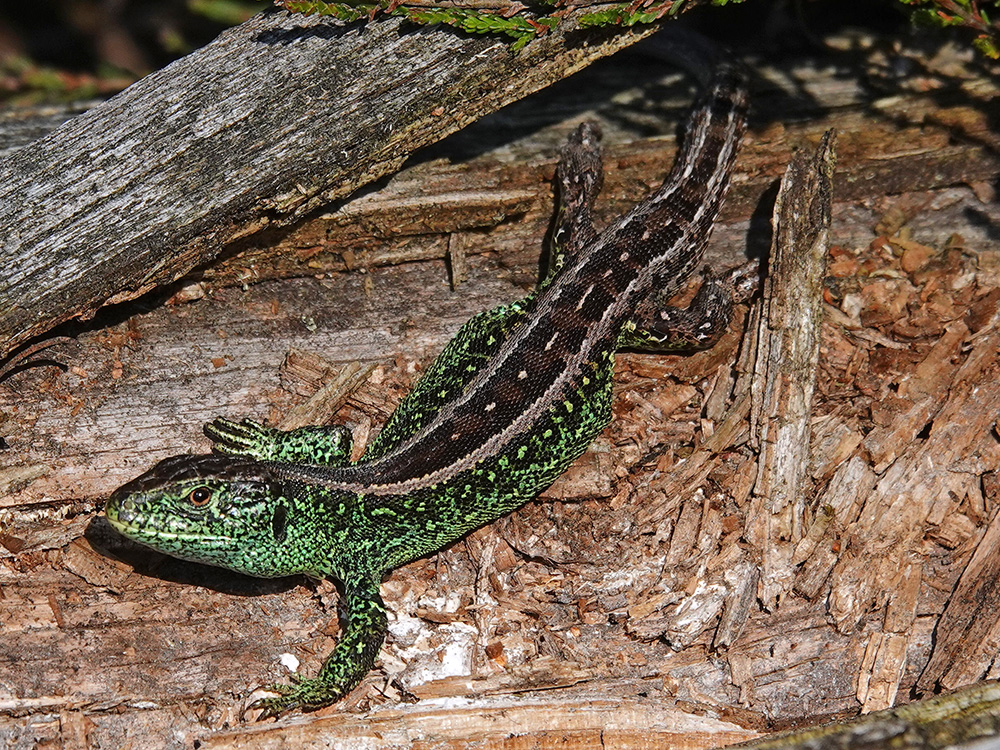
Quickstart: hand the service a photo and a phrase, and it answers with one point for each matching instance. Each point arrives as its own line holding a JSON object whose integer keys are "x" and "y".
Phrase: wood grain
{"x": 783, "y": 380}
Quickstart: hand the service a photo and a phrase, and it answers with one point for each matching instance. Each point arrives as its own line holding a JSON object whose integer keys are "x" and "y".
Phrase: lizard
{"x": 516, "y": 396}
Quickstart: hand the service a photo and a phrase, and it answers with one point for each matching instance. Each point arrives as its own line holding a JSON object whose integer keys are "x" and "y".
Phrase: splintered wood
{"x": 787, "y": 353}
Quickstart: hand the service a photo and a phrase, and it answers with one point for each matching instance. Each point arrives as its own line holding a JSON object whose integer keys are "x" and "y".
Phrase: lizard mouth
{"x": 143, "y": 533}
{"x": 134, "y": 525}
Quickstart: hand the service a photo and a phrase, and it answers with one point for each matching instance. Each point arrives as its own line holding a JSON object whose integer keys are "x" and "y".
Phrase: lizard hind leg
{"x": 326, "y": 445}
{"x": 580, "y": 175}
{"x": 656, "y": 326}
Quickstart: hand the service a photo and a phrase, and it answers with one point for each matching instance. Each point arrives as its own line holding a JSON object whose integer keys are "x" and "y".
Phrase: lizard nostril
{"x": 121, "y": 509}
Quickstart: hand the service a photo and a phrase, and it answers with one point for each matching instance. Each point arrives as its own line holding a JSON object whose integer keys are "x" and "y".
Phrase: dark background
{"x": 77, "y": 49}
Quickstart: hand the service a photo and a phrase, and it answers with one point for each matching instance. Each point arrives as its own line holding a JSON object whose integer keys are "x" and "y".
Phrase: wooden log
{"x": 968, "y": 718}
{"x": 273, "y": 118}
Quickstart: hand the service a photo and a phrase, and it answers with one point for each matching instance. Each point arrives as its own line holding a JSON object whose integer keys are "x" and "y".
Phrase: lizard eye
{"x": 200, "y": 496}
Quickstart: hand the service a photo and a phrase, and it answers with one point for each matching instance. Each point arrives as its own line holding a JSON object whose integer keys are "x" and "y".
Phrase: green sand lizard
{"x": 517, "y": 395}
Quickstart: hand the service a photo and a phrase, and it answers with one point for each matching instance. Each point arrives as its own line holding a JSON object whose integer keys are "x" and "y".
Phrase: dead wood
{"x": 968, "y": 718}
{"x": 429, "y": 211}
{"x": 783, "y": 378}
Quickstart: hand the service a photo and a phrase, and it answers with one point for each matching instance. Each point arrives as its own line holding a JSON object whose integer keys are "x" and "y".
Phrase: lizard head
{"x": 219, "y": 510}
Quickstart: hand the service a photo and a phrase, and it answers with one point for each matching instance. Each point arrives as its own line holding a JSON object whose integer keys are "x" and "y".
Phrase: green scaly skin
{"x": 515, "y": 397}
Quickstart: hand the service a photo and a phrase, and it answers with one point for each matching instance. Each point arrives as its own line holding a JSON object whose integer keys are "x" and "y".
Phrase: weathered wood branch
{"x": 272, "y": 119}
{"x": 787, "y": 351}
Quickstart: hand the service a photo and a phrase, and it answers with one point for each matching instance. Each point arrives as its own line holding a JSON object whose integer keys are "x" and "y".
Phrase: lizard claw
{"x": 322, "y": 445}
{"x": 744, "y": 280}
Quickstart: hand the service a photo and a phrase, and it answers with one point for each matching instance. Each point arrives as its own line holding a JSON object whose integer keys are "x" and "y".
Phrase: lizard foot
{"x": 246, "y": 438}
{"x": 307, "y": 694}
{"x": 321, "y": 445}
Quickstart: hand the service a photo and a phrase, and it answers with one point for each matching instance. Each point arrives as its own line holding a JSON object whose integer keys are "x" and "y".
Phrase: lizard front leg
{"x": 364, "y": 630}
